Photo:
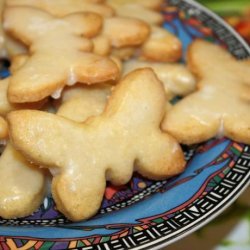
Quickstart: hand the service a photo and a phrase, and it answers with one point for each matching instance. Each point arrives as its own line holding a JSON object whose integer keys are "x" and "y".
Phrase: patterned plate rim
{"x": 201, "y": 222}
{"x": 217, "y": 210}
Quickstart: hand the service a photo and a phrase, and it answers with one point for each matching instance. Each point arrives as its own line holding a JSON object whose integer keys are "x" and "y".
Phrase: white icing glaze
{"x": 57, "y": 93}
{"x": 72, "y": 78}
{"x": 220, "y": 132}
{"x": 3, "y": 142}
{"x": 54, "y": 171}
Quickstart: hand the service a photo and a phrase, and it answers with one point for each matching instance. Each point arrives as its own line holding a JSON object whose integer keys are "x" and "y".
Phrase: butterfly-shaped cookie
{"x": 82, "y": 156}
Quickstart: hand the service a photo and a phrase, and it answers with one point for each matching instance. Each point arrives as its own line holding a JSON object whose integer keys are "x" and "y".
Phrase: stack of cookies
{"x": 88, "y": 100}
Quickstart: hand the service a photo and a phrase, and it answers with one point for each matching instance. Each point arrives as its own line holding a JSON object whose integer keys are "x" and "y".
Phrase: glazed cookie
{"x": 220, "y": 106}
{"x": 18, "y": 197}
{"x": 17, "y": 62}
{"x": 161, "y": 46}
{"x": 124, "y": 53}
{"x": 120, "y": 31}
{"x": 57, "y": 8}
{"x": 95, "y": 1}
{"x": 6, "y": 106}
{"x": 139, "y": 12}
{"x": 54, "y": 65}
{"x": 62, "y": 8}
{"x": 150, "y": 4}
{"x": 3, "y": 52}
{"x": 124, "y": 32}
{"x": 80, "y": 102}
{"x": 82, "y": 156}
{"x": 14, "y": 47}
{"x": 118, "y": 62}
{"x": 102, "y": 45}
{"x": 176, "y": 78}
{"x": 3, "y": 129}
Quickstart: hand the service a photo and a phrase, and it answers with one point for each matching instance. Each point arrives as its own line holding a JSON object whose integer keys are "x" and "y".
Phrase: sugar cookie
{"x": 124, "y": 32}
{"x": 3, "y": 129}
{"x": 102, "y": 45}
{"x": 80, "y": 102}
{"x": 176, "y": 78}
{"x": 161, "y": 46}
{"x": 14, "y": 47}
{"x": 124, "y": 53}
{"x": 139, "y": 12}
{"x": 118, "y": 62}
{"x": 17, "y": 62}
{"x": 52, "y": 64}
{"x": 6, "y": 106}
{"x": 57, "y": 8}
{"x": 3, "y": 52}
{"x": 83, "y": 155}
{"x": 120, "y": 31}
{"x": 18, "y": 197}
{"x": 217, "y": 108}
{"x": 150, "y": 4}
{"x": 62, "y": 8}
{"x": 22, "y": 185}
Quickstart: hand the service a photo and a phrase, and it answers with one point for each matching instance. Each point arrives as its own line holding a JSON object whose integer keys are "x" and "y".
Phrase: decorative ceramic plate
{"x": 145, "y": 214}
